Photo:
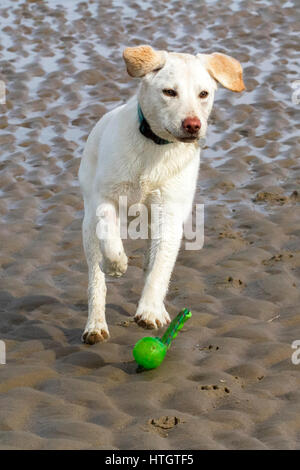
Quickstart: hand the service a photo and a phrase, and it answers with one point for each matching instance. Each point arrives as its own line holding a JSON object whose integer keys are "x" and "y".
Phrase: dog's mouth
{"x": 185, "y": 139}
{"x": 188, "y": 139}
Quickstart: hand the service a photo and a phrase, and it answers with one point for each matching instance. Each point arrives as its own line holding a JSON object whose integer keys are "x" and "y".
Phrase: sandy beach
{"x": 229, "y": 381}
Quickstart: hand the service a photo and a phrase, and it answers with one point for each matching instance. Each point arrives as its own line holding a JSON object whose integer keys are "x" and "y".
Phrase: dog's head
{"x": 177, "y": 90}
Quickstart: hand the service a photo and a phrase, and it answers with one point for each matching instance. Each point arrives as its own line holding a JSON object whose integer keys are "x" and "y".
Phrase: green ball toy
{"x": 149, "y": 352}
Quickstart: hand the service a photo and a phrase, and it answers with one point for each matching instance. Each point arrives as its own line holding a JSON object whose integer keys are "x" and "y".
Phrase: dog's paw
{"x": 115, "y": 267}
{"x": 150, "y": 319}
{"x": 95, "y": 334}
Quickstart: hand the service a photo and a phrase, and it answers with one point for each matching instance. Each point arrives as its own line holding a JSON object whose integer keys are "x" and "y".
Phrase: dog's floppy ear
{"x": 143, "y": 59}
{"x": 225, "y": 70}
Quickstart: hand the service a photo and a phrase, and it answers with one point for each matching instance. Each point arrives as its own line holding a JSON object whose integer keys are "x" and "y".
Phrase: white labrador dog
{"x": 147, "y": 150}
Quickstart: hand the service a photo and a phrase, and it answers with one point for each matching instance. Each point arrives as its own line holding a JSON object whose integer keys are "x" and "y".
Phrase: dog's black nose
{"x": 191, "y": 125}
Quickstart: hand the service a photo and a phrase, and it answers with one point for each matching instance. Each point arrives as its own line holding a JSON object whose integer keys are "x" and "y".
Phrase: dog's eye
{"x": 203, "y": 94}
{"x": 168, "y": 92}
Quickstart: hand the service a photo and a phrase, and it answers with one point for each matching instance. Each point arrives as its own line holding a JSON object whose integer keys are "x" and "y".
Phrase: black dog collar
{"x": 145, "y": 129}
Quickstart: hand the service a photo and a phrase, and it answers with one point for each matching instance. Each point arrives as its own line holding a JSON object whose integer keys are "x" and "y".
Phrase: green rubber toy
{"x": 149, "y": 352}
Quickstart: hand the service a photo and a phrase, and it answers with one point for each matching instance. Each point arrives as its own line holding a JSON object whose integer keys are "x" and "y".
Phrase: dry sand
{"x": 228, "y": 381}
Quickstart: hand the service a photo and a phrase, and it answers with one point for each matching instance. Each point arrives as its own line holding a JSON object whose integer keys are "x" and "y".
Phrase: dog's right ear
{"x": 142, "y": 60}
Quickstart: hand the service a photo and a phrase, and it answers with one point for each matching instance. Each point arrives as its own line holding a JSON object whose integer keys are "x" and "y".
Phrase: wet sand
{"x": 228, "y": 382}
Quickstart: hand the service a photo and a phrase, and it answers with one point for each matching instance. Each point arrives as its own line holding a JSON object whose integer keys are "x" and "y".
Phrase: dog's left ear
{"x": 143, "y": 59}
{"x": 224, "y": 69}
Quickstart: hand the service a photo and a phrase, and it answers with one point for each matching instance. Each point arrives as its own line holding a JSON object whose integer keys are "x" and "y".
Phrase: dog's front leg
{"x": 114, "y": 260}
{"x": 151, "y": 312}
{"x": 105, "y": 254}
{"x": 96, "y": 327}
